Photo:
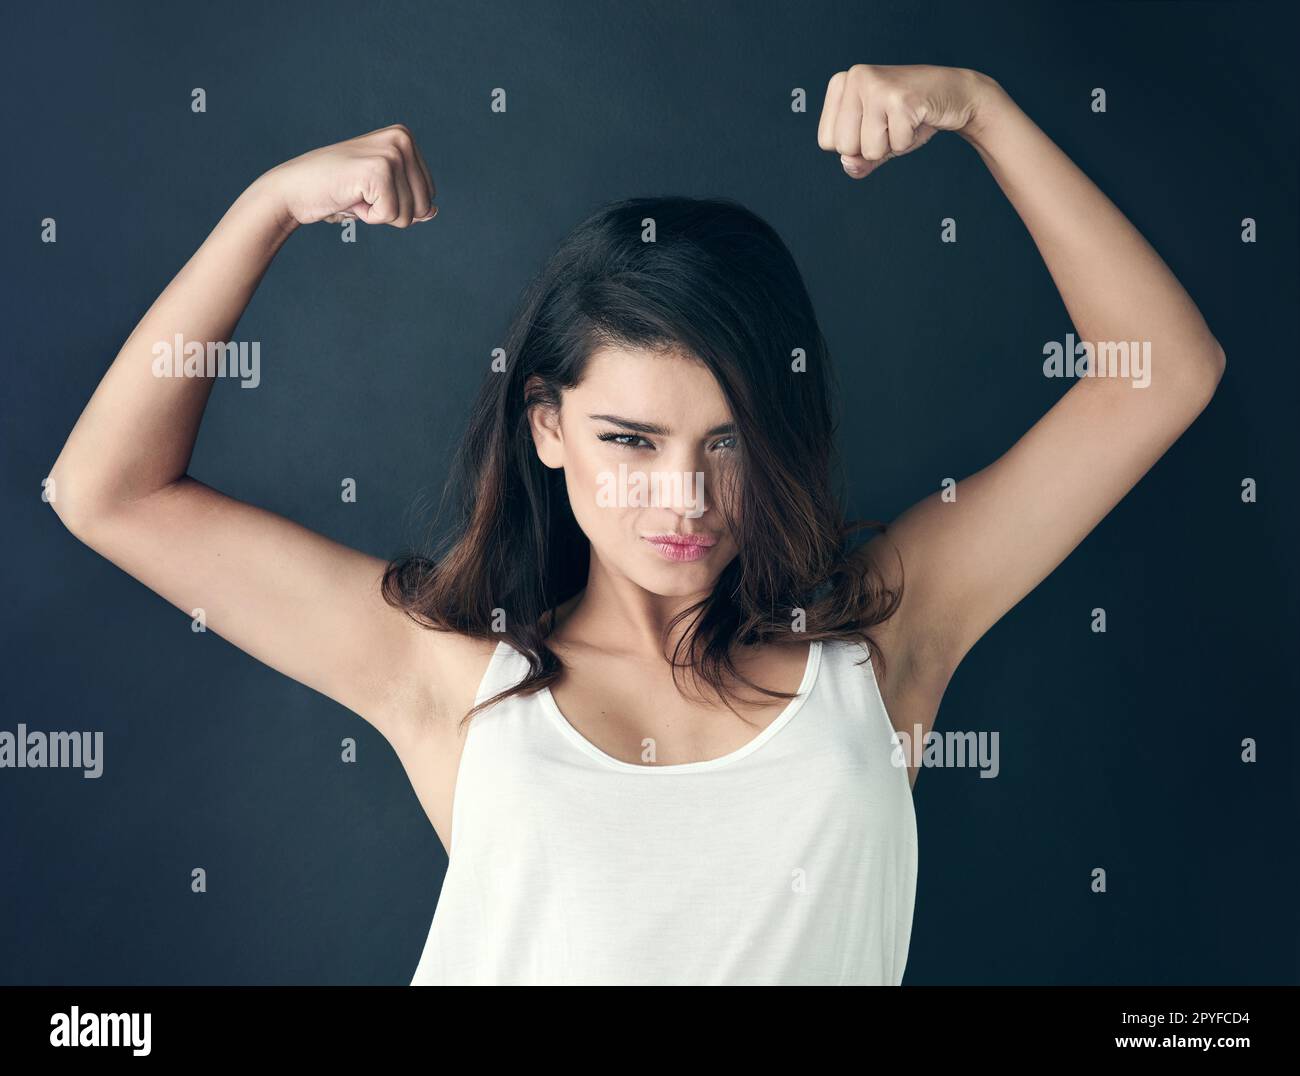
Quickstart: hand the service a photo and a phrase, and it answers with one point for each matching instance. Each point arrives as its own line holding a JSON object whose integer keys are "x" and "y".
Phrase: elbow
{"x": 78, "y": 514}
{"x": 73, "y": 519}
{"x": 1218, "y": 362}
{"x": 1212, "y": 368}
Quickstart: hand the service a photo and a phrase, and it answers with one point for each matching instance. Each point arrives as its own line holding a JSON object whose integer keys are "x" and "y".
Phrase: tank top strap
{"x": 505, "y": 669}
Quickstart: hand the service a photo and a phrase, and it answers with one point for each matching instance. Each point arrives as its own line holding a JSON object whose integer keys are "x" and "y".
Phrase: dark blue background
{"x": 1119, "y": 750}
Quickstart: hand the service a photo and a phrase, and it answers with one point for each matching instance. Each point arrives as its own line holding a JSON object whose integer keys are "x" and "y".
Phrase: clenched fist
{"x": 377, "y": 178}
{"x": 875, "y": 113}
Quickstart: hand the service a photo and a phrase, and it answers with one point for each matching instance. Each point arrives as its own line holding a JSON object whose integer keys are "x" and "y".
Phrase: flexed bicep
{"x": 299, "y": 602}
{"x": 972, "y": 549}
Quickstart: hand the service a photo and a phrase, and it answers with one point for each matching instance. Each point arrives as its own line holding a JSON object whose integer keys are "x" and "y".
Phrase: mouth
{"x": 681, "y": 547}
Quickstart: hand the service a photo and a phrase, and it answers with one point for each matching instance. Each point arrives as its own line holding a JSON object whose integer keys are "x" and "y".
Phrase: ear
{"x": 544, "y": 422}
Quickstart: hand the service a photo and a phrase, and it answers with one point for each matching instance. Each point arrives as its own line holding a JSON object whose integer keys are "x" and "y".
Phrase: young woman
{"x": 648, "y": 688}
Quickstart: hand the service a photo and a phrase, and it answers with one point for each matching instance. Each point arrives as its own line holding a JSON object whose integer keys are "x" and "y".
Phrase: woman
{"x": 648, "y": 691}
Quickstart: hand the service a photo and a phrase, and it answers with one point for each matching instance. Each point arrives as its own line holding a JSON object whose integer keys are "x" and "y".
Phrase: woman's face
{"x": 646, "y": 442}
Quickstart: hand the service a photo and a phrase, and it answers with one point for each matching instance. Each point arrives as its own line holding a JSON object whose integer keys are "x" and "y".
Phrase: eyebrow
{"x": 657, "y": 430}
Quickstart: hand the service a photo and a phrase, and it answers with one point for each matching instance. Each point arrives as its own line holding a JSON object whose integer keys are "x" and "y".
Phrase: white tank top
{"x": 791, "y": 860}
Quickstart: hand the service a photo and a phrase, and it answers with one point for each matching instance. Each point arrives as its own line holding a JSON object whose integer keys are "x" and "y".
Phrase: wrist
{"x": 988, "y": 101}
{"x": 264, "y": 198}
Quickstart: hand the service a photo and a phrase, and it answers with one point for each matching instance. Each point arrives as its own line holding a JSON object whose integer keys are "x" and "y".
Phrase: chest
{"x": 824, "y": 789}
{"x": 634, "y": 712}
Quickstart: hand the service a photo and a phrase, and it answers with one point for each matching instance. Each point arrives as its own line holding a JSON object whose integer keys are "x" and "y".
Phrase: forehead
{"x": 671, "y": 388}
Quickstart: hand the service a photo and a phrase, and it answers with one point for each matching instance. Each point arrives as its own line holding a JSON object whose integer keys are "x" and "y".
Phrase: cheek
{"x": 592, "y": 481}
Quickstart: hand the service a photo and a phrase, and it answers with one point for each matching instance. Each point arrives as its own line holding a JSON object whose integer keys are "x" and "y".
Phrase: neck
{"x": 614, "y": 612}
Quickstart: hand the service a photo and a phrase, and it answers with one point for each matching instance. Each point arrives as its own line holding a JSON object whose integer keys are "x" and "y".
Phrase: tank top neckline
{"x": 567, "y": 729}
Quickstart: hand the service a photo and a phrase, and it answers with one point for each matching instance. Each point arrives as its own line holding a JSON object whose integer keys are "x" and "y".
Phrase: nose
{"x": 683, "y": 490}
{"x": 689, "y": 499}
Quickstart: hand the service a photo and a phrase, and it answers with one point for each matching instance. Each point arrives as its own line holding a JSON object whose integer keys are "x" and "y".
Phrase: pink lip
{"x": 681, "y": 547}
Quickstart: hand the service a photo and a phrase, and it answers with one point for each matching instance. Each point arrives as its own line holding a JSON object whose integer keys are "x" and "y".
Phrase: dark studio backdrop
{"x": 1120, "y": 751}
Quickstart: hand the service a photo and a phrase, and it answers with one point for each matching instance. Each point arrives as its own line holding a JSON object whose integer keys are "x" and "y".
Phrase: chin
{"x": 677, "y": 584}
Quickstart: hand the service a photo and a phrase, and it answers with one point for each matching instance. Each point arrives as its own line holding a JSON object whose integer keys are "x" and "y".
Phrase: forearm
{"x": 137, "y": 433}
{"x": 1114, "y": 285}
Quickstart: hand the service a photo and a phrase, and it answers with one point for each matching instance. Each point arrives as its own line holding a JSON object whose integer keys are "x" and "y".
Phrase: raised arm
{"x": 969, "y": 559}
{"x": 301, "y": 603}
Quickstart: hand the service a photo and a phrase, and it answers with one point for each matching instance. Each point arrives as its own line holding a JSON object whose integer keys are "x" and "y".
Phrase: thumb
{"x": 356, "y": 211}
{"x": 859, "y": 167}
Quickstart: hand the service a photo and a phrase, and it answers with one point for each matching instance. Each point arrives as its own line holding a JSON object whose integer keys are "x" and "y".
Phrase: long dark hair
{"x": 712, "y": 279}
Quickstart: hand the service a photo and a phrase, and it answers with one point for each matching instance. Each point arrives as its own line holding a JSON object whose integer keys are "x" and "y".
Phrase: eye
{"x": 724, "y": 445}
{"x": 624, "y": 439}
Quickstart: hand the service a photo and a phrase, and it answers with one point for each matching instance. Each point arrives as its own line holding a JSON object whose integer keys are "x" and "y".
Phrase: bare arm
{"x": 307, "y": 606}
{"x": 970, "y": 559}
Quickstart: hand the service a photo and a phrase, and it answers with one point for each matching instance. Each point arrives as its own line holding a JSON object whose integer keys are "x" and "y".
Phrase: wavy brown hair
{"x": 712, "y": 280}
